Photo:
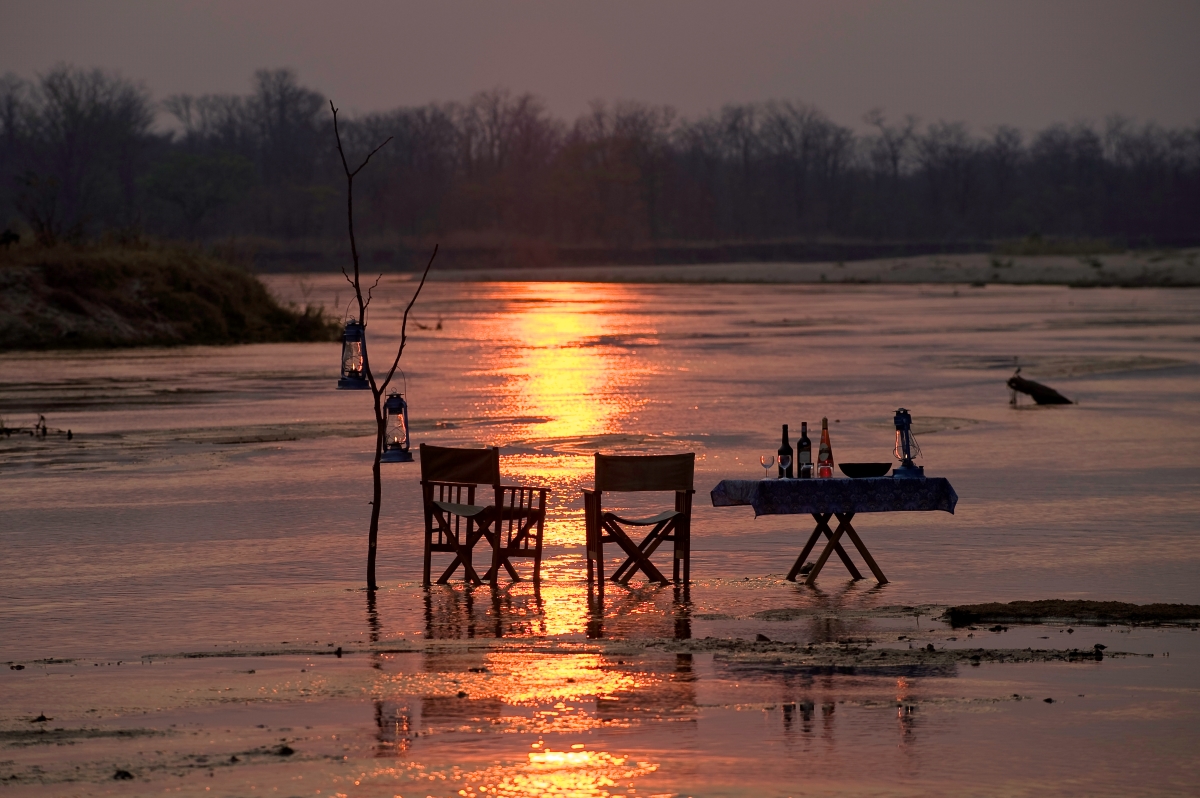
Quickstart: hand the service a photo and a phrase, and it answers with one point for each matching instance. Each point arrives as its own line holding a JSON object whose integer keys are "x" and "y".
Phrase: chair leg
{"x": 497, "y": 559}
{"x": 647, "y": 547}
{"x": 600, "y": 568}
{"x": 593, "y": 543}
{"x": 634, "y": 552}
{"x": 683, "y": 552}
{"x": 464, "y": 555}
{"x": 683, "y": 535}
{"x": 428, "y": 553}
{"x": 537, "y": 556}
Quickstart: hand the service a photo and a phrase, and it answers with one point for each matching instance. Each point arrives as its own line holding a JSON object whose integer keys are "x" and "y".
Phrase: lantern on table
{"x": 395, "y": 433}
{"x": 906, "y": 448}
{"x": 354, "y": 355}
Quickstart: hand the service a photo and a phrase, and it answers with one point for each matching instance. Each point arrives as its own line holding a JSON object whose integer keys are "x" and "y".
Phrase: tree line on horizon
{"x": 80, "y": 156}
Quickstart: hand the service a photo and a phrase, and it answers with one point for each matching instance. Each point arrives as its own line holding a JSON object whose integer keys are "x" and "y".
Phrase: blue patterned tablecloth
{"x": 797, "y": 496}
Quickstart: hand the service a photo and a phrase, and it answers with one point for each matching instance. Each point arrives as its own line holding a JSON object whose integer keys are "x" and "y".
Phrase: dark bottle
{"x": 804, "y": 453}
{"x": 785, "y": 451}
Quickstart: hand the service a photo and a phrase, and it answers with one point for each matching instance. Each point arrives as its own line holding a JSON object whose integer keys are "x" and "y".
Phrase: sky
{"x": 1028, "y": 64}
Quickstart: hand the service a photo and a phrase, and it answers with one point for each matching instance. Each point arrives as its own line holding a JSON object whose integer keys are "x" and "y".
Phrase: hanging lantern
{"x": 395, "y": 430}
{"x": 354, "y": 352}
{"x": 906, "y": 448}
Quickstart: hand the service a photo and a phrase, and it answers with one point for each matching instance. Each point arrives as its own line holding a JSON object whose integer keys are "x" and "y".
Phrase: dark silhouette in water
{"x": 1042, "y": 394}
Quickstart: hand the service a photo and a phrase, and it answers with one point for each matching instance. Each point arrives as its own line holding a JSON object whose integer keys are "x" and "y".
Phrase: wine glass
{"x": 767, "y": 461}
{"x": 785, "y": 462}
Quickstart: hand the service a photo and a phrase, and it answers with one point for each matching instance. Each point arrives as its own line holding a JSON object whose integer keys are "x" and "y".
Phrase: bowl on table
{"x": 865, "y": 470}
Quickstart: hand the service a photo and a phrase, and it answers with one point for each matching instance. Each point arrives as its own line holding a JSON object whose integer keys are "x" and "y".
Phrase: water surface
{"x": 216, "y": 498}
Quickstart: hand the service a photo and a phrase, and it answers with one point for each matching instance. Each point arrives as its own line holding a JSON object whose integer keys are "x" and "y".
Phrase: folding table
{"x": 826, "y": 499}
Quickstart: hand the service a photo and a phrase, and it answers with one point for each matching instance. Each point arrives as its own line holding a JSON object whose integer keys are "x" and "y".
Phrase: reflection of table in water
{"x": 825, "y": 499}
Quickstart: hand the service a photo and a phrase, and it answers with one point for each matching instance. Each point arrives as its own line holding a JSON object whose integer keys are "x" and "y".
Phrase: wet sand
{"x": 179, "y": 577}
{"x": 982, "y": 711}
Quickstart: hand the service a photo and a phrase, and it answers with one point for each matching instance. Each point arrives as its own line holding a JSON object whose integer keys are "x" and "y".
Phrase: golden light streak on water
{"x": 564, "y": 608}
{"x": 535, "y": 679}
{"x": 561, "y": 365}
{"x": 576, "y": 773}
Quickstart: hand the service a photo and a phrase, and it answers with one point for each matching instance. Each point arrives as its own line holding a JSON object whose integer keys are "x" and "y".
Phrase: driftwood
{"x": 1042, "y": 394}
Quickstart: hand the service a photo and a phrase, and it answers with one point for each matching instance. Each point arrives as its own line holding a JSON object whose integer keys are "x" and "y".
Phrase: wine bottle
{"x": 785, "y": 450}
{"x": 804, "y": 453}
{"x": 825, "y": 455}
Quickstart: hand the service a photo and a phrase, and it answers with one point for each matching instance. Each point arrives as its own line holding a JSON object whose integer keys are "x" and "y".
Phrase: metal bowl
{"x": 865, "y": 470}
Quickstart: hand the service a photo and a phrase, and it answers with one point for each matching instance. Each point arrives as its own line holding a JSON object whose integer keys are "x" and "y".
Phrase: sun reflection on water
{"x": 568, "y": 363}
{"x": 578, "y": 772}
{"x": 534, "y": 679}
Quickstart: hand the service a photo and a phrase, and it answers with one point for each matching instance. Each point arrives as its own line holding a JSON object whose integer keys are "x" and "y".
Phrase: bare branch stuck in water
{"x": 377, "y": 389}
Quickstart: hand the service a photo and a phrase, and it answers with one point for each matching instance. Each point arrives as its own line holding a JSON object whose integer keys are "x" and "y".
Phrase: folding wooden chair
{"x": 622, "y": 474}
{"x": 510, "y": 519}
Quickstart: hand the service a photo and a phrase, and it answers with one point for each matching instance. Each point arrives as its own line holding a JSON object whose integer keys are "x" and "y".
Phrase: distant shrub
{"x": 136, "y": 293}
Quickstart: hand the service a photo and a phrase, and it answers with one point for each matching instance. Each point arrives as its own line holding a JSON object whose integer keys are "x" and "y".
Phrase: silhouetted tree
{"x": 83, "y": 134}
{"x": 378, "y": 387}
{"x": 77, "y": 155}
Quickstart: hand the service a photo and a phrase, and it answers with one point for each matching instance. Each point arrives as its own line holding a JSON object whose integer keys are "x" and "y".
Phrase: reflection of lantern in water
{"x": 395, "y": 435}
{"x": 354, "y": 353}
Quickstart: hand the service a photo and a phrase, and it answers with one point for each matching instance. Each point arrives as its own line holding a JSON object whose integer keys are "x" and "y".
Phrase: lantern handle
{"x": 346, "y": 312}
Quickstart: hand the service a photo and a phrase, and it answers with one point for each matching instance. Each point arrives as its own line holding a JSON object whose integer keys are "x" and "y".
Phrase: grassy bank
{"x": 140, "y": 294}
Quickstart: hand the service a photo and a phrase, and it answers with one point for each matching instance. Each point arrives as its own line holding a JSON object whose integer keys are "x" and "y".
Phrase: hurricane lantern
{"x": 395, "y": 434}
{"x": 354, "y": 352}
{"x": 906, "y": 448}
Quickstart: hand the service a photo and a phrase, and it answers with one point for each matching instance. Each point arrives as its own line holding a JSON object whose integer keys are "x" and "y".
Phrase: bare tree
{"x": 893, "y": 145}
{"x": 378, "y": 388}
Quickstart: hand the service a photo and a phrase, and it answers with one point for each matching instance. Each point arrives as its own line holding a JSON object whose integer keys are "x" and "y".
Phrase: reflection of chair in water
{"x": 625, "y": 474}
{"x": 511, "y": 520}
{"x": 455, "y": 614}
{"x": 458, "y": 613}
{"x": 643, "y": 613}
{"x": 394, "y": 728}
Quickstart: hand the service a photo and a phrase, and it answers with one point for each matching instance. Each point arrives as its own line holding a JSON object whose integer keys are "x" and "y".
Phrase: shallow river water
{"x": 214, "y": 501}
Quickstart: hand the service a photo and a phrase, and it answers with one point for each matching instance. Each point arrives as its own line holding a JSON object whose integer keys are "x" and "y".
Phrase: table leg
{"x": 822, "y": 520}
{"x": 822, "y": 524}
{"x": 829, "y": 547}
{"x": 844, "y": 518}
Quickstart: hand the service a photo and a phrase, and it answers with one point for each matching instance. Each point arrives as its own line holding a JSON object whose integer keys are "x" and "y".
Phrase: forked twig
{"x": 404, "y": 323}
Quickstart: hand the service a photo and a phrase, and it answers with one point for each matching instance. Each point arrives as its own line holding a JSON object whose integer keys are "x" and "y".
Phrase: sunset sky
{"x": 1024, "y": 63}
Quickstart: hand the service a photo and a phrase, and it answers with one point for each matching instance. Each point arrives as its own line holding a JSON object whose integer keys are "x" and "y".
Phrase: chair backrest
{"x": 475, "y": 466}
{"x": 645, "y": 472}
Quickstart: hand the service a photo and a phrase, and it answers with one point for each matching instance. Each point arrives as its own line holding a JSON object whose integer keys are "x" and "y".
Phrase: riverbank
{"x": 116, "y": 295}
{"x": 1131, "y": 269}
